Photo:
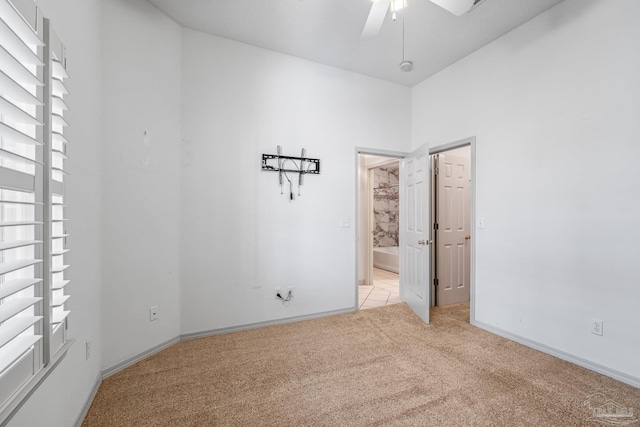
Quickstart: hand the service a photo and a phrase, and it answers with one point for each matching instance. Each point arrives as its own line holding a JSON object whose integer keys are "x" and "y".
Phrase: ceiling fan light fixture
{"x": 406, "y": 66}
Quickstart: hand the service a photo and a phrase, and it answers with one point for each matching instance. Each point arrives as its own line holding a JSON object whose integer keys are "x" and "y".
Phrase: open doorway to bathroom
{"x": 378, "y": 234}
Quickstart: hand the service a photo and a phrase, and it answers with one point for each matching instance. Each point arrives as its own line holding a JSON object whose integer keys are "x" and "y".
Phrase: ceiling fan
{"x": 379, "y": 10}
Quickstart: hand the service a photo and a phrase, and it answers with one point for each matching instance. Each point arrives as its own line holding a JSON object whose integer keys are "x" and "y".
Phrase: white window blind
{"x": 56, "y": 164}
{"x": 32, "y": 203}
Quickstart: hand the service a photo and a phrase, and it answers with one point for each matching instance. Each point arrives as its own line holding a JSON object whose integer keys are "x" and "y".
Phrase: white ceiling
{"x": 328, "y": 31}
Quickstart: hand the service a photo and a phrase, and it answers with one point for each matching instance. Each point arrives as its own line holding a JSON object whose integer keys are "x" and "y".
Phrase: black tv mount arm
{"x": 301, "y": 165}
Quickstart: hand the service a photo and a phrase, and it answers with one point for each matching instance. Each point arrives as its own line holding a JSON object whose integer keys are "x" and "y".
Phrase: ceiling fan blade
{"x": 457, "y": 7}
{"x": 376, "y": 17}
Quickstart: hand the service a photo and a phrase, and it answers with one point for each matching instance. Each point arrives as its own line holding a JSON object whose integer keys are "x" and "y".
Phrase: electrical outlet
{"x": 596, "y": 327}
{"x": 153, "y": 313}
{"x": 88, "y": 349}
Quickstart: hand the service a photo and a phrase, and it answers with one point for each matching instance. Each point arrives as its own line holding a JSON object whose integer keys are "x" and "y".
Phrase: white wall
{"x": 554, "y": 106}
{"x": 240, "y": 238}
{"x": 60, "y": 399}
{"x": 141, "y": 204}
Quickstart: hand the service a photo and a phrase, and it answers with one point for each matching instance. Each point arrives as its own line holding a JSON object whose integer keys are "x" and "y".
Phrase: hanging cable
{"x": 404, "y": 65}
{"x": 402, "y": 38}
{"x": 301, "y": 165}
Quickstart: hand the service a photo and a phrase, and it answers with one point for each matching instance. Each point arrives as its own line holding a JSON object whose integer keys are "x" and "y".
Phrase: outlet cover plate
{"x": 153, "y": 313}
{"x": 597, "y": 327}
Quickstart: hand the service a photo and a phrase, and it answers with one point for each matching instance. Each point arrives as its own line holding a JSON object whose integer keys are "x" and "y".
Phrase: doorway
{"x": 416, "y": 237}
{"x": 451, "y": 210}
{"x": 378, "y": 230}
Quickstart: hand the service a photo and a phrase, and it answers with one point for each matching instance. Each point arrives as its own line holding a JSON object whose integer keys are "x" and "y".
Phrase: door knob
{"x": 467, "y": 237}
{"x": 422, "y": 242}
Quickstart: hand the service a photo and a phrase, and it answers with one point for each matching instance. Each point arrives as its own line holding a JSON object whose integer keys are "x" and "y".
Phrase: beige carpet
{"x": 376, "y": 367}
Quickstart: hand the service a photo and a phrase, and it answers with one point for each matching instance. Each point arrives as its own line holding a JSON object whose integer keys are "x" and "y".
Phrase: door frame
{"x": 437, "y": 149}
{"x": 373, "y": 152}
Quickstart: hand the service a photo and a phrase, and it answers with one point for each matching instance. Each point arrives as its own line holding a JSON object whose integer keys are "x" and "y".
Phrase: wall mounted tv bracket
{"x": 285, "y": 165}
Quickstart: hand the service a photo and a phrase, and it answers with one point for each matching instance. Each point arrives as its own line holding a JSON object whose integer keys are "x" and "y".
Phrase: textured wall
{"x": 385, "y": 206}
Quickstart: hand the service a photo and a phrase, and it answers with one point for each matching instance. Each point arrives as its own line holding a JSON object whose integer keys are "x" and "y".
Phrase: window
{"x": 33, "y": 315}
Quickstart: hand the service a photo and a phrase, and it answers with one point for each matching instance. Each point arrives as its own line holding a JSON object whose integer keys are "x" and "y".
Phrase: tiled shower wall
{"x": 385, "y": 206}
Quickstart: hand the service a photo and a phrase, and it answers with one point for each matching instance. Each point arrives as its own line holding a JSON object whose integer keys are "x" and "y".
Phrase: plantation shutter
{"x": 21, "y": 199}
{"x": 56, "y": 145}
{"x": 32, "y": 213}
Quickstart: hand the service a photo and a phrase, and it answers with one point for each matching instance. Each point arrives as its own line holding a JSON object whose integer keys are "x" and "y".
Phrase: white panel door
{"x": 414, "y": 232}
{"x": 453, "y": 245}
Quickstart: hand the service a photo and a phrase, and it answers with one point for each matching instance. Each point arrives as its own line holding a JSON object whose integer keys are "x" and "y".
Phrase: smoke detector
{"x": 406, "y": 66}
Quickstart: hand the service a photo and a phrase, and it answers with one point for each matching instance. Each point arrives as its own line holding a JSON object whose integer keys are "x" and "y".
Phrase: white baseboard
{"x": 219, "y": 331}
{"x": 89, "y": 401}
{"x": 138, "y": 357}
{"x": 620, "y": 376}
{"x": 386, "y": 267}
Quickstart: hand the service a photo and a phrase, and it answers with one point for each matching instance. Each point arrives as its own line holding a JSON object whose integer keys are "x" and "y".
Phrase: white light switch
{"x": 345, "y": 222}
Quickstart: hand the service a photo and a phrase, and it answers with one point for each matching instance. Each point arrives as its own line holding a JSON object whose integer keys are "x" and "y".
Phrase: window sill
{"x": 11, "y": 407}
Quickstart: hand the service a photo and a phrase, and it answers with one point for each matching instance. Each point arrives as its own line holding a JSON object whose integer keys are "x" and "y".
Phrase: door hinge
{"x": 435, "y": 225}
{"x": 435, "y": 171}
{"x": 435, "y": 282}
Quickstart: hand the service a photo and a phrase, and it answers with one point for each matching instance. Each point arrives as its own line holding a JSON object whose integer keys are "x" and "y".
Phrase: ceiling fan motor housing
{"x": 406, "y": 66}
{"x": 457, "y": 7}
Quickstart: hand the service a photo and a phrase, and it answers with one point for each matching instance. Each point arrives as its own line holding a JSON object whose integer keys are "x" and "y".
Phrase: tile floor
{"x": 385, "y": 290}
